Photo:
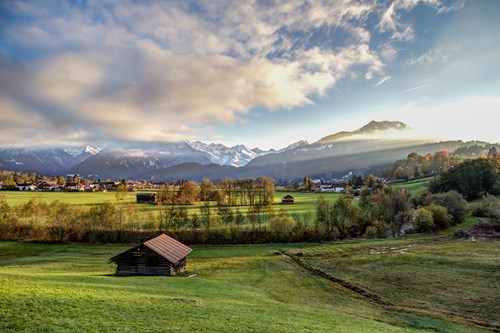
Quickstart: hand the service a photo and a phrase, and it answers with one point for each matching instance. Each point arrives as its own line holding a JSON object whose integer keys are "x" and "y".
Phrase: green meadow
{"x": 428, "y": 283}
{"x": 416, "y": 186}
{"x": 304, "y": 202}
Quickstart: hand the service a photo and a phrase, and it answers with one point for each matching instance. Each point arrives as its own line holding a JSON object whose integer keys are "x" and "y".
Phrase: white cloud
{"x": 440, "y": 54}
{"x": 158, "y": 70}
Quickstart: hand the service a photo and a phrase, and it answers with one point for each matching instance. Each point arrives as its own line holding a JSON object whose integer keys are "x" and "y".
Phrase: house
{"x": 26, "y": 187}
{"x": 333, "y": 188}
{"x": 74, "y": 187}
{"x": 161, "y": 255}
{"x": 146, "y": 197}
{"x": 287, "y": 199}
{"x": 47, "y": 186}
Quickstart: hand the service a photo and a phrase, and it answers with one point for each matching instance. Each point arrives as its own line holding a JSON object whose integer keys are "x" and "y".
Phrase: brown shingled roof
{"x": 168, "y": 248}
{"x": 165, "y": 246}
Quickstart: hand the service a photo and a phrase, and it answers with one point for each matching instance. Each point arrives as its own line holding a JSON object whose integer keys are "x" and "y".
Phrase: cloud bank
{"x": 166, "y": 70}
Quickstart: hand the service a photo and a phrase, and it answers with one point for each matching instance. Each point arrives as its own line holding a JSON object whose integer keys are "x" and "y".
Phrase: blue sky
{"x": 259, "y": 73}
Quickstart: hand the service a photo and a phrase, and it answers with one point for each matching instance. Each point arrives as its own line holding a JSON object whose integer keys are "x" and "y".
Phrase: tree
{"x": 206, "y": 189}
{"x": 322, "y": 213}
{"x": 308, "y": 183}
{"x": 189, "y": 192}
{"x": 492, "y": 152}
{"x": 471, "y": 178}
{"x": 343, "y": 216}
{"x": 120, "y": 195}
{"x": 226, "y": 214}
{"x": 205, "y": 214}
{"x": 370, "y": 181}
{"x": 239, "y": 218}
{"x": 357, "y": 181}
{"x": 282, "y": 224}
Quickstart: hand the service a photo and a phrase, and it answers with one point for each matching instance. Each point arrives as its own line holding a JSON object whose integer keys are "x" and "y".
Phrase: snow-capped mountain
{"x": 49, "y": 161}
{"x": 297, "y": 144}
{"x": 118, "y": 162}
{"x": 218, "y": 153}
{"x": 78, "y": 151}
{"x": 237, "y": 156}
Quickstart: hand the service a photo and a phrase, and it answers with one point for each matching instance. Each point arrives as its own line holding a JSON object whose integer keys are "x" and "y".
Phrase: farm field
{"x": 425, "y": 283}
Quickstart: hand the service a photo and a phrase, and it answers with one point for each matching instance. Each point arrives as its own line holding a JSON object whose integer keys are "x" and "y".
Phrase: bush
{"x": 440, "y": 216}
{"x": 454, "y": 203}
{"x": 423, "y": 220}
{"x": 489, "y": 206}
{"x": 282, "y": 224}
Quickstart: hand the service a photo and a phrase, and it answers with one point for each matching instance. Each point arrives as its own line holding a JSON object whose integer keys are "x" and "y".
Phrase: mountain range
{"x": 359, "y": 151}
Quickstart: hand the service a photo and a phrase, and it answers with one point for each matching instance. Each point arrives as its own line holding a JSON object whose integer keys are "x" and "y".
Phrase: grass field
{"x": 76, "y": 198}
{"x": 439, "y": 285}
{"x": 416, "y": 186}
{"x": 304, "y": 202}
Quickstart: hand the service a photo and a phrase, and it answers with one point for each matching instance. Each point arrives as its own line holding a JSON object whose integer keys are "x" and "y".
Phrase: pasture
{"x": 438, "y": 285}
{"x": 304, "y": 202}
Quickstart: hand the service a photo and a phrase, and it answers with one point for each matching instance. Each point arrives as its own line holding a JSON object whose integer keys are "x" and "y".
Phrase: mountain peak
{"x": 385, "y": 125}
{"x": 372, "y": 128}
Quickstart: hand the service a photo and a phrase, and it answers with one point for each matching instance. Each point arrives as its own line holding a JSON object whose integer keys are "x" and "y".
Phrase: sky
{"x": 260, "y": 73}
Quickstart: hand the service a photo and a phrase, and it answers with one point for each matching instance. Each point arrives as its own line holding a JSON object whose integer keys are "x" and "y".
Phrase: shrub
{"x": 440, "y": 216}
{"x": 454, "y": 203}
{"x": 423, "y": 220}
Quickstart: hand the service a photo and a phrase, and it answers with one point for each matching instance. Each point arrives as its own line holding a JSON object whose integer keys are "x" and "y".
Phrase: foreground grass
{"x": 422, "y": 276}
{"x": 68, "y": 288}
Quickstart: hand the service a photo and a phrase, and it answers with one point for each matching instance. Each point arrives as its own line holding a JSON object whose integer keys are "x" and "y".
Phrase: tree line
{"x": 225, "y": 192}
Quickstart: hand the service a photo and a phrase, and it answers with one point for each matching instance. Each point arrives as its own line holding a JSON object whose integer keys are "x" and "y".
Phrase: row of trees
{"x": 226, "y": 192}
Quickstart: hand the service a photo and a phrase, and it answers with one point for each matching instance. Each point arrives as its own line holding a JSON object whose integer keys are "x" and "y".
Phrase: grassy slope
{"x": 66, "y": 288}
{"x": 416, "y": 186}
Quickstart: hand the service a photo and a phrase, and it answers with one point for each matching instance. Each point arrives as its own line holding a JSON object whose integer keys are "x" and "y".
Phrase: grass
{"x": 304, "y": 202}
{"x": 416, "y": 186}
{"x": 76, "y": 198}
{"x": 440, "y": 285}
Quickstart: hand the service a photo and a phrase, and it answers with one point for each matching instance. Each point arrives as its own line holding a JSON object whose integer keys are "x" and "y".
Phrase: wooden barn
{"x": 161, "y": 255}
{"x": 145, "y": 197}
{"x": 287, "y": 199}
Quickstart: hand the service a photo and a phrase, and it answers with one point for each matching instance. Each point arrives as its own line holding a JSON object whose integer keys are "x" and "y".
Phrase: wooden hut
{"x": 145, "y": 197}
{"x": 161, "y": 255}
{"x": 287, "y": 199}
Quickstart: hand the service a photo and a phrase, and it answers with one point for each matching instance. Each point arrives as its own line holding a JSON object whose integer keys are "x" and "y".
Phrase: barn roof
{"x": 168, "y": 248}
{"x": 165, "y": 246}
